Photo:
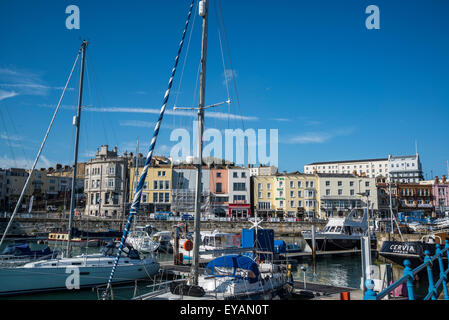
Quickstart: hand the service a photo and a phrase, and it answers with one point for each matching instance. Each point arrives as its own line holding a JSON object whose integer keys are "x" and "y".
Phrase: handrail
{"x": 409, "y": 276}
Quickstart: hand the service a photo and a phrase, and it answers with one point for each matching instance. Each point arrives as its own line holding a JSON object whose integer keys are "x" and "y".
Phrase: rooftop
{"x": 346, "y": 161}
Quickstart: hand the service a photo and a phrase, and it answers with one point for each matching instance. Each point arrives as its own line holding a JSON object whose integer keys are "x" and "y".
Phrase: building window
{"x": 292, "y": 184}
{"x": 299, "y": 194}
{"x": 340, "y": 192}
{"x": 218, "y": 174}
{"x": 328, "y": 183}
{"x": 167, "y": 197}
{"x": 243, "y": 174}
{"x": 234, "y": 174}
{"x": 328, "y": 192}
{"x": 300, "y": 203}
{"x": 161, "y": 197}
{"x": 269, "y": 195}
{"x": 339, "y": 183}
{"x": 218, "y": 187}
{"x": 366, "y": 183}
{"x": 155, "y": 185}
{"x": 167, "y": 184}
{"x": 260, "y": 195}
{"x": 351, "y": 183}
{"x": 259, "y": 186}
{"x": 111, "y": 170}
{"x": 351, "y": 192}
{"x": 144, "y": 198}
{"x": 292, "y": 204}
{"x": 110, "y": 182}
{"x": 269, "y": 186}
{"x": 239, "y": 186}
{"x": 292, "y": 194}
{"x": 299, "y": 184}
{"x": 155, "y": 197}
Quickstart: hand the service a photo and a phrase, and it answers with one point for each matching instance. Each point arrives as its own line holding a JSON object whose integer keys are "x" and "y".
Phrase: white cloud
{"x": 7, "y": 94}
{"x": 7, "y": 162}
{"x": 6, "y": 136}
{"x": 215, "y": 115}
{"x": 24, "y": 83}
{"x": 319, "y": 137}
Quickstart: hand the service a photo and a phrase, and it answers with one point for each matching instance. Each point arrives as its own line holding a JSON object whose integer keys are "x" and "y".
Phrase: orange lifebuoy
{"x": 188, "y": 245}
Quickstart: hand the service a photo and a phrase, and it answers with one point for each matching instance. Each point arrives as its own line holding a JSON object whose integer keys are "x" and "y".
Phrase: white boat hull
{"x": 23, "y": 280}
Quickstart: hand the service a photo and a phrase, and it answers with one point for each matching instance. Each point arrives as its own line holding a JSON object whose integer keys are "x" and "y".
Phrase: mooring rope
{"x": 138, "y": 193}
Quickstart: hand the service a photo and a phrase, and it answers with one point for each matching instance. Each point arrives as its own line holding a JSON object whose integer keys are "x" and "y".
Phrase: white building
{"x": 239, "y": 191}
{"x": 105, "y": 183}
{"x": 369, "y": 167}
{"x": 339, "y": 193}
{"x": 262, "y": 170}
{"x": 405, "y": 169}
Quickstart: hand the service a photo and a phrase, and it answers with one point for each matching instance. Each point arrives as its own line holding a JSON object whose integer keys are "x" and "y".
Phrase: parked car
{"x": 52, "y": 208}
{"x": 187, "y": 216}
{"x": 163, "y": 215}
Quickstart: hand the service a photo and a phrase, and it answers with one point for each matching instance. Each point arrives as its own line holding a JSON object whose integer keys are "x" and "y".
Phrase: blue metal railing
{"x": 409, "y": 276}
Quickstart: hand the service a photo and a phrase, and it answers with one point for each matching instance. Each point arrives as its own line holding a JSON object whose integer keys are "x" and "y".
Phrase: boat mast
{"x": 204, "y": 12}
{"x": 76, "y": 121}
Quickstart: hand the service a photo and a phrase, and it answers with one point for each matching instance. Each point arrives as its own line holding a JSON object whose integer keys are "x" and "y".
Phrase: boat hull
{"x": 336, "y": 244}
{"x": 398, "y": 251}
{"x": 24, "y": 280}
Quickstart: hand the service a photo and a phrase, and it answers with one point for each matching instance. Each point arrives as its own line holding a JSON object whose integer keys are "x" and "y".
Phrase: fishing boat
{"x": 67, "y": 272}
{"x": 341, "y": 233}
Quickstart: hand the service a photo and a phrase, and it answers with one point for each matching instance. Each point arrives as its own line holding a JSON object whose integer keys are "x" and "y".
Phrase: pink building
{"x": 218, "y": 183}
{"x": 441, "y": 195}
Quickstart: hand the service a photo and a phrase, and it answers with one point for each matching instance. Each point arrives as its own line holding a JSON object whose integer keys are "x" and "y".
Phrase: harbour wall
{"x": 37, "y": 226}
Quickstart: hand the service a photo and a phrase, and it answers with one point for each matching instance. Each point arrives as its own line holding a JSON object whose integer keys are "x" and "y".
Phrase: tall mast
{"x": 75, "y": 161}
{"x": 204, "y": 12}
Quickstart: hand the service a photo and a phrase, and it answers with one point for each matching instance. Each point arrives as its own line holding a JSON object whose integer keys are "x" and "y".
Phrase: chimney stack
{"x": 436, "y": 180}
{"x": 444, "y": 178}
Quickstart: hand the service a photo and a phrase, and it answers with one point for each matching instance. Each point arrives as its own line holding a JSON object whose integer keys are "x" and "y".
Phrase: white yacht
{"x": 213, "y": 244}
{"x": 61, "y": 274}
{"x": 229, "y": 277}
{"x": 340, "y": 233}
{"x": 141, "y": 239}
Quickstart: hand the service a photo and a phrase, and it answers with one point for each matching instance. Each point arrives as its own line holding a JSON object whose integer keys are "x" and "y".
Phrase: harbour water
{"x": 342, "y": 271}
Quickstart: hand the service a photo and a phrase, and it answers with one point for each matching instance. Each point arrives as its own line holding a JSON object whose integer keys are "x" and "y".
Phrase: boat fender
{"x": 188, "y": 245}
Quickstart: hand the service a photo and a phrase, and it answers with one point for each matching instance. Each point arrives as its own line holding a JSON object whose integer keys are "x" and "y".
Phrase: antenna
{"x": 416, "y": 147}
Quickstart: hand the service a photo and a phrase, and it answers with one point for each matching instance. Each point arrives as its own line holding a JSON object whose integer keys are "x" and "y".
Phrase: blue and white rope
{"x": 138, "y": 193}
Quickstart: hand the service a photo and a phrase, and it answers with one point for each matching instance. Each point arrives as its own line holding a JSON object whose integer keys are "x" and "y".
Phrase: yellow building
{"x": 156, "y": 194}
{"x": 286, "y": 195}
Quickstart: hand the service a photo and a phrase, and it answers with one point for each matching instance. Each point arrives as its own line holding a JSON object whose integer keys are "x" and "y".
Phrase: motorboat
{"x": 141, "y": 239}
{"x": 341, "y": 233}
{"x": 414, "y": 251}
{"x": 213, "y": 244}
{"x": 164, "y": 238}
{"x": 82, "y": 271}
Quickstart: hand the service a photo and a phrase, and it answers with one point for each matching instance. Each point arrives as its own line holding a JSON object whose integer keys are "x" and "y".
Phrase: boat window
{"x": 326, "y": 229}
{"x": 332, "y": 229}
{"x": 219, "y": 242}
{"x": 338, "y": 229}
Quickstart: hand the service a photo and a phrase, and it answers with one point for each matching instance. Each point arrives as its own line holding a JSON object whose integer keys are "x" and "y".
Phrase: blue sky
{"x": 311, "y": 69}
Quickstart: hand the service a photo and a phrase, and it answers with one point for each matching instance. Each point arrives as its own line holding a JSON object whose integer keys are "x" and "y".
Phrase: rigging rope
{"x": 138, "y": 192}
{"x": 39, "y": 152}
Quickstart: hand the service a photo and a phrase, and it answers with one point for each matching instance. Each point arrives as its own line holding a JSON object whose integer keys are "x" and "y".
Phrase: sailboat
{"x": 231, "y": 276}
{"x": 86, "y": 270}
